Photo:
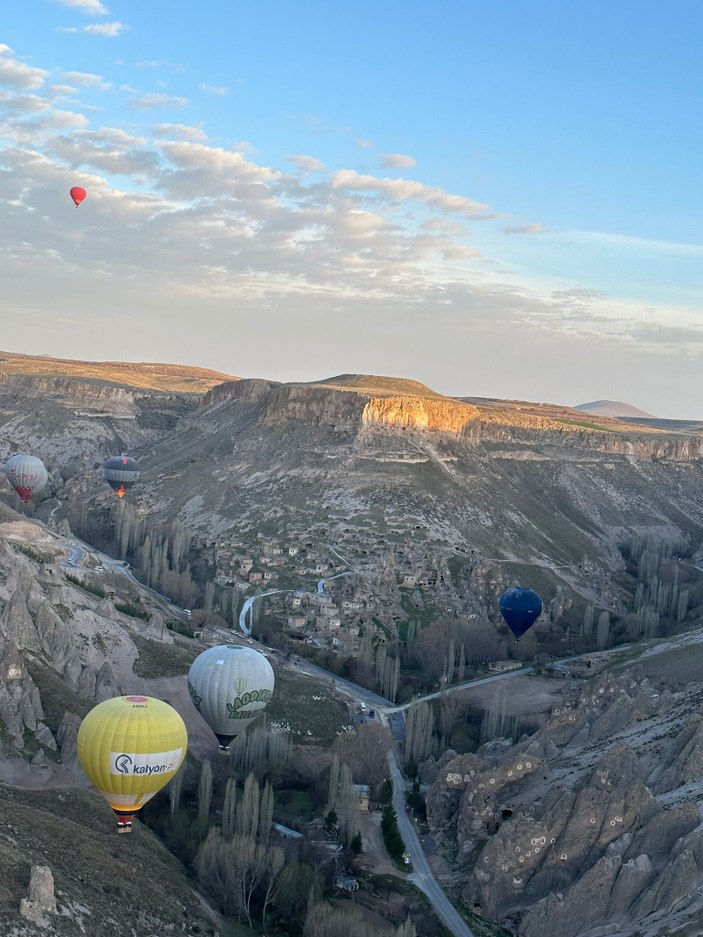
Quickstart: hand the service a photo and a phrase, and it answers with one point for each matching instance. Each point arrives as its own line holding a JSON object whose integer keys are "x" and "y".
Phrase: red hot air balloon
{"x": 77, "y": 193}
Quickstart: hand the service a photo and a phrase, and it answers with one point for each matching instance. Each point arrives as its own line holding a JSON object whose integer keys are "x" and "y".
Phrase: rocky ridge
{"x": 592, "y": 822}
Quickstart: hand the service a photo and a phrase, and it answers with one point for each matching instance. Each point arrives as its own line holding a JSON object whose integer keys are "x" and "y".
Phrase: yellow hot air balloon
{"x": 130, "y": 747}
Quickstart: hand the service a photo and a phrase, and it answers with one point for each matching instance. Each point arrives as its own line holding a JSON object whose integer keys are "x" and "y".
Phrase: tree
{"x": 331, "y": 821}
{"x": 334, "y": 781}
{"x": 175, "y": 789}
{"x": 229, "y": 810}
{"x": 357, "y": 844}
{"x": 247, "y": 822}
{"x": 276, "y": 861}
{"x": 406, "y": 929}
{"x": 386, "y": 794}
{"x": 205, "y": 790}
{"x": 391, "y": 834}
{"x": 366, "y": 751}
{"x": 419, "y": 742}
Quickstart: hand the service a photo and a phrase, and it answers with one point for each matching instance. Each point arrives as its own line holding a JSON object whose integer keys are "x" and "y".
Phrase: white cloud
{"x": 87, "y": 80}
{"x": 397, "y": 161}
{"x": 111, "y": 30}
{"x": 219, "y": 90}
{"x": 403, "y": 190}
{"x": 17, "y": 74}
{"x": 63, "y": 90}
{"x": 23, "y": 103}
{"x": 363, "y": 144}
{"x": 157, "y": 99}
{"x": 89, "y": 7}
{"x": 306, "y": 163}
{"x": 524, "y": 229}
{"x": 180, "y": 132}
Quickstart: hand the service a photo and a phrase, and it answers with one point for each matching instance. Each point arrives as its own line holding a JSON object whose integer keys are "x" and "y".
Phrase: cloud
{"x": 17, "y": 74}
{"x": 219, "y": 90}
{"x": 63, "y": 90}
{"x": 628, "y": 242}
{"x": 87, "y": 80}
{"x": 397, "y": 161}
{"x": 403, "y": 190}
{"x": 157, "y": 99}
{"x": 23, "y": 103}
{"x": 306, "y": 163}
{"x": 524, "y": 229}
{"x": 89, "y": 7}
{"x": 111, "y": 30}
{"x": 180, "y": 132}
{"x": 363, "y": 144}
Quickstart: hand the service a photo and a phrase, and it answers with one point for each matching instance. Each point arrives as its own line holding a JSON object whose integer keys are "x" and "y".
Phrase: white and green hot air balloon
{"x": 230, "y": 686}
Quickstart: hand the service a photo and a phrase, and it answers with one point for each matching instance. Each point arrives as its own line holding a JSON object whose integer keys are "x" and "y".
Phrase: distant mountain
{"x": 611, "y": 408}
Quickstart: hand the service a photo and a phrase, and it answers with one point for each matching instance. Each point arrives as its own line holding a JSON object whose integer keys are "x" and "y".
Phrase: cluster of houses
{"x": 309, "y": 613}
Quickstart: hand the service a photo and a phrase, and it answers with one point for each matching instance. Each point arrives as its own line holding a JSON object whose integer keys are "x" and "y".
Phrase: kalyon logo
{"x": 132, "y": 764}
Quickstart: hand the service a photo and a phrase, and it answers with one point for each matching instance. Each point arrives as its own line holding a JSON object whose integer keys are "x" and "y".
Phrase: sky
{"x": 498, "y": 199}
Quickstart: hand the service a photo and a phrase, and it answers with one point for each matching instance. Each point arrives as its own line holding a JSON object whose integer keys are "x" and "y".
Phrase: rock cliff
{"x": 590, "y": 823}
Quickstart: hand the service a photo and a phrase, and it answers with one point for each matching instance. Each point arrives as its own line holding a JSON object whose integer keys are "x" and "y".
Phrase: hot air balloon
{"x": 121, "y": 473}
{"x": 26, "y": 474}
{"x": 230, "y": 686}
{"x": 130, "y": 747}
{"x": 520, "y": 608}
{"x": 77, "y": 193}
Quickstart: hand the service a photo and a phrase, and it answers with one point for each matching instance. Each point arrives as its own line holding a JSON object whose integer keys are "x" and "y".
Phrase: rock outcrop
{"x": 42, "y": 899}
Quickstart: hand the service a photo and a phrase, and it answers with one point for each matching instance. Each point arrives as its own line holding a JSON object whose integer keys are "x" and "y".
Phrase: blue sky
{"x": 496, "y": 198}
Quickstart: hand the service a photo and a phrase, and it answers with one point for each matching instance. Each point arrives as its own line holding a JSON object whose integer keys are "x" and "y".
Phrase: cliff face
{"x": 351, "y": 409}
{"x": 443, "y": 416}
{"x": 248, "y": 389}
{"x": 80, "y": 395}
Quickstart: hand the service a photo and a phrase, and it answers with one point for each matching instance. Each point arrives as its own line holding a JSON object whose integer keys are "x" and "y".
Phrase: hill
{"x": 611, "y": 408}
{"x": 167, "y": 378}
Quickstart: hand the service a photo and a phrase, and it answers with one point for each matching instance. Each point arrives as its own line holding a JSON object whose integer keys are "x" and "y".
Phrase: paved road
{"x": 422, "y": 875}
{"x": 467, "y": 685}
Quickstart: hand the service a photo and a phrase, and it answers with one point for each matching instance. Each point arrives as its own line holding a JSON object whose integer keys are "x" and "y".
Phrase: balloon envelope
{"x": 26, "y": 474}
{"x": 77, "y": 193}
{"x": 130, "y": 747}
{"x": 230, "y": 686}
{"x": 520, "y": 608}
{"x": 121, "y": 473}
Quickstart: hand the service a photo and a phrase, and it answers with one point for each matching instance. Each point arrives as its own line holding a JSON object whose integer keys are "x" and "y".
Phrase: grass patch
{"x": 293, "y": 805}
{"x": 680, "y": 663}
{"x": 162, "y": 660}
{"x": 37, "y": 555}
{"x": 134, "y": 610}
{"x": 86, "y": 586}
{"x": 307, "y": 708}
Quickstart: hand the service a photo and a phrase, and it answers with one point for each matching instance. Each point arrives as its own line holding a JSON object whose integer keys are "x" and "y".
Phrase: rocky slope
{"x": 62, "y": 649}
{"x": 592, "y": 825}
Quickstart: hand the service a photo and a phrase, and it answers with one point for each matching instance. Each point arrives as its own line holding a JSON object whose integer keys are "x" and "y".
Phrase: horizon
{"x": 461, "y": 198}
{"x": 320, "y": 379}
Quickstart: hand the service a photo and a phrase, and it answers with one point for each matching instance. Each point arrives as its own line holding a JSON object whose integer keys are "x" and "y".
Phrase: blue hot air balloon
{"x": 520, "y": 608}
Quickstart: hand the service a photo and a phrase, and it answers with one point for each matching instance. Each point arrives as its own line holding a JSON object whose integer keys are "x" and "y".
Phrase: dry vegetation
{"x": 169, "y": 378}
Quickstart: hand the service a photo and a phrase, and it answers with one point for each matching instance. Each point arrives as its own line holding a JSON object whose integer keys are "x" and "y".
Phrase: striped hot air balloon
{"x": 121, "y": 473}
{"x": 130, "y": 747}
{"x": 27, "y": 475}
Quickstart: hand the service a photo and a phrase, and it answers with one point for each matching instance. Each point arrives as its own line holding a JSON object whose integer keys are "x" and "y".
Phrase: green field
{"x": 307, "y": 708}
